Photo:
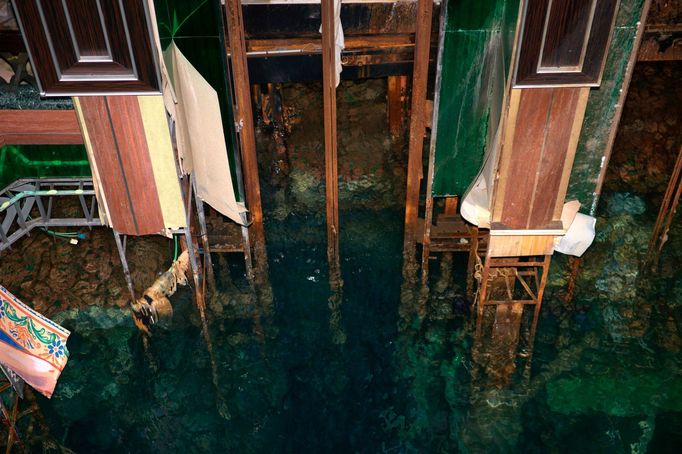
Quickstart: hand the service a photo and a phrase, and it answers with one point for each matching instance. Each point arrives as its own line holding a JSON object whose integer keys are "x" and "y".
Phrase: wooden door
{"x": 89, "y": 47}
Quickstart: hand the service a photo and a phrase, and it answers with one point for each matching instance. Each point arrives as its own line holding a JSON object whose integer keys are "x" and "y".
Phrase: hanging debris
{"x": 154, "y": 304}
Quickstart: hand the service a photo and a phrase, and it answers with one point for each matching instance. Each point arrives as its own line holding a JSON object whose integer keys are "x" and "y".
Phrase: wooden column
{"x": 330, "y": 143}
{"x": 244, "y": 118}
{"x": 396, "y": 104}
{"x": 417, "y": 125}
{"x": 38, "y": 127}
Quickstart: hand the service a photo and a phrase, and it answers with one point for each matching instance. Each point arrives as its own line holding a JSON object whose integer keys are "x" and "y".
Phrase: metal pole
{"x": 124, "y": 262}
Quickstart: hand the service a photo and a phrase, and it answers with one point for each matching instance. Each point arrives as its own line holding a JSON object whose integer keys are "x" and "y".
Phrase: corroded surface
{"x": 601, "y": 109}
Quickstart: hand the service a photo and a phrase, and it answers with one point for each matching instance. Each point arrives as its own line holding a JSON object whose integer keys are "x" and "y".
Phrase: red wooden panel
{"x": 36, "y": 127}
{"x": 89, "y": 46}
{"x": 526, "y": 151}
{"x": 111, "y": 174}
{"x": 554, "y": 152}
{"x": 126, "y": 121}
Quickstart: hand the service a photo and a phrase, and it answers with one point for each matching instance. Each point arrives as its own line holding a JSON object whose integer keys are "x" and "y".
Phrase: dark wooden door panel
{"x": 564, "y": 42}
{"x": 89, "y": 46}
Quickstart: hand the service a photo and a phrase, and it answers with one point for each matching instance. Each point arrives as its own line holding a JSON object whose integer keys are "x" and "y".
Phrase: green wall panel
{"x": 197, "y": 29}
{"x": 475, "y": 59}
{"x": 601, "y": 109}
{"x": 30, "y": 161}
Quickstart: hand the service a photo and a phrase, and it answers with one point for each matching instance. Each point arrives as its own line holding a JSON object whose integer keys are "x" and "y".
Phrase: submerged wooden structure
{"x": 525, "y": 93}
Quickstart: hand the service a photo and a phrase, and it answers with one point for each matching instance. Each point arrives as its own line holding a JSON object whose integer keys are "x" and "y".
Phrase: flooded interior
{"x": 289, "y": 373}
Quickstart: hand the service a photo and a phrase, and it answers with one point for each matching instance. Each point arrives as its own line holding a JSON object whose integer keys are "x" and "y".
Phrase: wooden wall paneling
{"x": 89, "y": 46}
{"x": 119, "y": 149}
{"x": 537, "y": 156}
{"x": 564, "y": 43}
{"x": 576, "y": 128}
{"x": 520, "y": 245}
{"x": 39, "y": 127}
{"x": 553, "y": 157}
{"x": 104, "y": 151}
{"x": 126, "y": 122}
{"x": 525, "y": 153}
{"x": 502, "y": 173}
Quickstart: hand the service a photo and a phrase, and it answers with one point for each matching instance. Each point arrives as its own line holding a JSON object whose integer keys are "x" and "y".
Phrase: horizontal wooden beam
{"x": 305, "y": 45}
{"x": 39, "y": 127}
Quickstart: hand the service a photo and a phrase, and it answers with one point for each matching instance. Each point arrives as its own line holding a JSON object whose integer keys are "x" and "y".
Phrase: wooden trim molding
{"x": 89, "y": 47}
{"x": 564, "y": 42}
{"x": 39, "y": 127}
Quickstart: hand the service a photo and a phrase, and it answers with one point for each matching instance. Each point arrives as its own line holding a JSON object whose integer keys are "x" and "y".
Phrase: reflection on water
{"x": 600, "y": 381}
{"x": 605, "y": 374}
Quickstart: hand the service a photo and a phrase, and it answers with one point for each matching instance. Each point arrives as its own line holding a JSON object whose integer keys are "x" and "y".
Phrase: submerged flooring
{"x": 606, "y": 373}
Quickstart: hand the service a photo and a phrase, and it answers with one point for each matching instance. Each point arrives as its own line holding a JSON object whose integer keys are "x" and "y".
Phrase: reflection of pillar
{"x": 331, "y": 166}
{"x": 416, "y": 142}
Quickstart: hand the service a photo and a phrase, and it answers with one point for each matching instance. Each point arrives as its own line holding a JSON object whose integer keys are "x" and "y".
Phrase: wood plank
{"x": 110, "y": 170}
{"x": 578, "y": 119}
{"x": 330, "y": 141}
{"x": 417, "y": 127}
{"x": 39, "y": 127}
{"x": 314, "y": 45}
{"x": 525, "y": 153}
{"x": 247, "y": 135}
{"x": 500, "y": 185}
{"x": 126, "y": 122}
{"x": 553, "y": 158}
{"x": 395, "y": 93}
{"x": 520, "y": 245}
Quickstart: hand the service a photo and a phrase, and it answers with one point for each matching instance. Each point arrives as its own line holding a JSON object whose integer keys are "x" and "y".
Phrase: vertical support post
{"x": 330, "y": 142}
{"x": 120, "y": 245}
{"x": 473, "y": 256}
{"x": 536, "y": 313}
{"x": 417, "y": 129}
{"x": 244, "y": 120}
{"x": 208, "y": 264}
{"x": 509, "y": 310}
{"x": 395, "y": 93}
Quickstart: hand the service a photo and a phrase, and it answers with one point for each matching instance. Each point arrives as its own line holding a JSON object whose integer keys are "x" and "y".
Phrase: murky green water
{"x": 604, "y": 379}
{"x": 606, "y": 372}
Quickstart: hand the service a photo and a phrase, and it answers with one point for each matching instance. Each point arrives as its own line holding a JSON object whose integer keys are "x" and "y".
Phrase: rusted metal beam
{"x": 244, "y": 120}
{"x": 417, "y": 130}
{"x": 330, "y": 139}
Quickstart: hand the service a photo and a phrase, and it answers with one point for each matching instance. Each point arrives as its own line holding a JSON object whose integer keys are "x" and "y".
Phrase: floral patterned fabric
{"x": 31, "y": 345}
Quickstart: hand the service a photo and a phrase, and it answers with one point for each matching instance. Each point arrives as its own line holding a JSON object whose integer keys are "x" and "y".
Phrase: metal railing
{"x": 43, "y": 203}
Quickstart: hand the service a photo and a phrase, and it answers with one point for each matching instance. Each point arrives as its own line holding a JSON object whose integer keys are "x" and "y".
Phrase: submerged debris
{"x": 154, "y": 304}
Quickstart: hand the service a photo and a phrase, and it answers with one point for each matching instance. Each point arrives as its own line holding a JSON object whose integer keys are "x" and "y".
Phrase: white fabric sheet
{"x": 199, "y": 135}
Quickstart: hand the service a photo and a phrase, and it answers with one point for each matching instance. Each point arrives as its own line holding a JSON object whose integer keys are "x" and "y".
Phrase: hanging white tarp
{"x": 199, "y": 135}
